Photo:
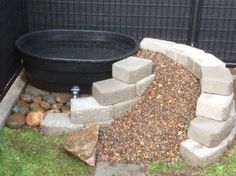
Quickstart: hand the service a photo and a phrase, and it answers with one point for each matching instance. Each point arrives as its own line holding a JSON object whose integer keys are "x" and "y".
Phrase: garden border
{"x": 213, "y": 129}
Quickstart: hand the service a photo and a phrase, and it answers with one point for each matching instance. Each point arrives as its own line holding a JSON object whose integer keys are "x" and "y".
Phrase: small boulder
{"x": 62, "y": 97}
{"x": 53, "y": 111}
{"x": 45, "y": 105}
{"x": 57, "y": 106}
{"x": 15, "y": 121}
{"x": 68, "y": 103}
{"x": 34, "y": 119}
{"x": 37, "y": 100}
{"x": 26, "y": 98}
{"x": 36, "y": 107}
{"x": 21, "y": 110}
{"x": 82, "y": 143}
{"x": 65, "y": 109}
{"x": 21, "y": 103}
{"x": 49, "y": 99}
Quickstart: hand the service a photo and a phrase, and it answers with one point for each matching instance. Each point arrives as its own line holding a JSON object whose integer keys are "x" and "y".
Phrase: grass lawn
{"x": 26, "y": 152}
{"x": 227, "y": 167}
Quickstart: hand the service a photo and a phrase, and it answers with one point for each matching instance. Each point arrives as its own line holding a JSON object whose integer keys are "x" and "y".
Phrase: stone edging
{"x": 213, "y": 129}
{"x": 11, "y": 97}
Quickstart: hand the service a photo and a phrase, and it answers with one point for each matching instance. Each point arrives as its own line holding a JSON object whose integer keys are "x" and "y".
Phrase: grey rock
{"x": 30, "y": 90}
{"x": 107, "y": 169}
{"x": 49, "y": 98}
{"x": 21, "y": 110}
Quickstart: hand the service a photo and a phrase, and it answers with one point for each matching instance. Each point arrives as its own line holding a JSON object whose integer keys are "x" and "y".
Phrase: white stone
{"x": 121, "y": 108}
{"x": 132, "y": 69}
{"x": 216, "y": 107}
{"x": 208, "y": 132}
{"x": 56, "y": 124}
{"x": 88, "y": 110}
{"x": 112, "y": 91}
{"x": 143, "y": 84}
{"x": 216, "y": 80}
{"x": 198, "y": 155}
{"x": 161, "y": 46}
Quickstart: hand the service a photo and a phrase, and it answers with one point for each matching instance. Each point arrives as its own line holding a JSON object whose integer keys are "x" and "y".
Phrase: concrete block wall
{"x": 213, "y": 129}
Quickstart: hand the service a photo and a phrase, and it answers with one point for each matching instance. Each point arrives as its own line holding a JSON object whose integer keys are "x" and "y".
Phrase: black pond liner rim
{"x": 24, "y": 37}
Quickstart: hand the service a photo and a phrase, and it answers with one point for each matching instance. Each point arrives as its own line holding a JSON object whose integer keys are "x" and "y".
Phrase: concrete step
{"x": 112, "y": 91}
{"x": 57, "y": 124}
{"x": 132, "y": 69}
{"x": 88, "y": 110}
{"x": 210, "y": 132}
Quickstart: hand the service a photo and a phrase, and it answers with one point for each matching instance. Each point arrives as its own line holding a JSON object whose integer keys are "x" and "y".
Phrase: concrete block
{"x": 112, "y": 91}
{"x": 208, "y": 132}
{"x": 184, "y": 60}
{"x": 216, "y": 107}
{"x": 88, "y": 110}
{"x": 56, "y": 124}
{"x": 199, "y": 155}
{"x": 11, "y": 97}
{"x": 161, "y": 46}
{"x": 204, "y": 60}
{"x": 132, "y": 69}
{"x": 121, "y": 108}
{"x": 216, "y": 80}
{"x": 143, "y": 84}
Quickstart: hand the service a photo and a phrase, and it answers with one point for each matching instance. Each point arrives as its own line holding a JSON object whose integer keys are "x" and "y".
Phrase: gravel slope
{"x": 155, "y": 126}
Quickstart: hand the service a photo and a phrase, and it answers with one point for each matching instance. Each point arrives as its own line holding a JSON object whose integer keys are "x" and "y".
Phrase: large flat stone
{"x": 216, "y": 107}
{"x": 143, "y": 84}
{"x": 216, "y": 80}
{"x": 56, "y": 124}
{"x": 210, "y": 132}
{"x": 88, "y": 110}
{"x": 11, "y": 97}
{"x": 107, "y": 169}
{"x": 199, "y": 155}
{"x": 132, "y": 69}
{"x": 112, "y": 91}
{"x": 121, "y": 108}
{"x": 31, "y": 90}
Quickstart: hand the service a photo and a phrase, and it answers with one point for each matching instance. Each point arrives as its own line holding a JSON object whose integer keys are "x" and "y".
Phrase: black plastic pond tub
{"x": 56, "y": 60}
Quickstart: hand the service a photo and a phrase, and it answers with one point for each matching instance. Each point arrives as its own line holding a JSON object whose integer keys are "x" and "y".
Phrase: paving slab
{"x": 107, "y": 169}
{"x": 210, "y": 132}
{"x": 132, "y": 69}
{"x": 216, "y": 107}
{"x": 88, "y": 110}
{"x": 112, "y": 91}
{"x": 56, "y": 124}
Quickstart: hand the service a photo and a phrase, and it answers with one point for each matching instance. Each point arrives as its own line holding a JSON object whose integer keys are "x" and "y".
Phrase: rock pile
{"x": 33, "y": 104}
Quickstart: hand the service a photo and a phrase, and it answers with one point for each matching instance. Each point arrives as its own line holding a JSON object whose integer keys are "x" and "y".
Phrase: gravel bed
{"x": 154, "y": 127}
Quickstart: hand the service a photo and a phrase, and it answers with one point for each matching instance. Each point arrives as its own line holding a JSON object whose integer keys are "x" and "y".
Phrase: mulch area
{"x": 154, "y": 127}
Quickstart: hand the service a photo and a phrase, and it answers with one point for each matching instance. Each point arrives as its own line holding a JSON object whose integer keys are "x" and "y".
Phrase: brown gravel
{"x": 155, "y": 126}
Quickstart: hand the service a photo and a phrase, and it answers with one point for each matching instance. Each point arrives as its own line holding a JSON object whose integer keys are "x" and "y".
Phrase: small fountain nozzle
{"x": 75, "y": 90}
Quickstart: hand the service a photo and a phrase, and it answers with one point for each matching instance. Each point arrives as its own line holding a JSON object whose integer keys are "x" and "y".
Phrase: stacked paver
{"x": 213, "y": 129}
{"x": 110, "y": 98}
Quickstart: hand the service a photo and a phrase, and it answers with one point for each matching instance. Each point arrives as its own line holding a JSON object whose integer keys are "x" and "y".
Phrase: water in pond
{"x": 86, "y": 50}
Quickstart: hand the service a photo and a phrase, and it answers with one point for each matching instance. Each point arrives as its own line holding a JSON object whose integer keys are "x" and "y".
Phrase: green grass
{"x": 28, "y": 153}
{"x": 227, "y": 167}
